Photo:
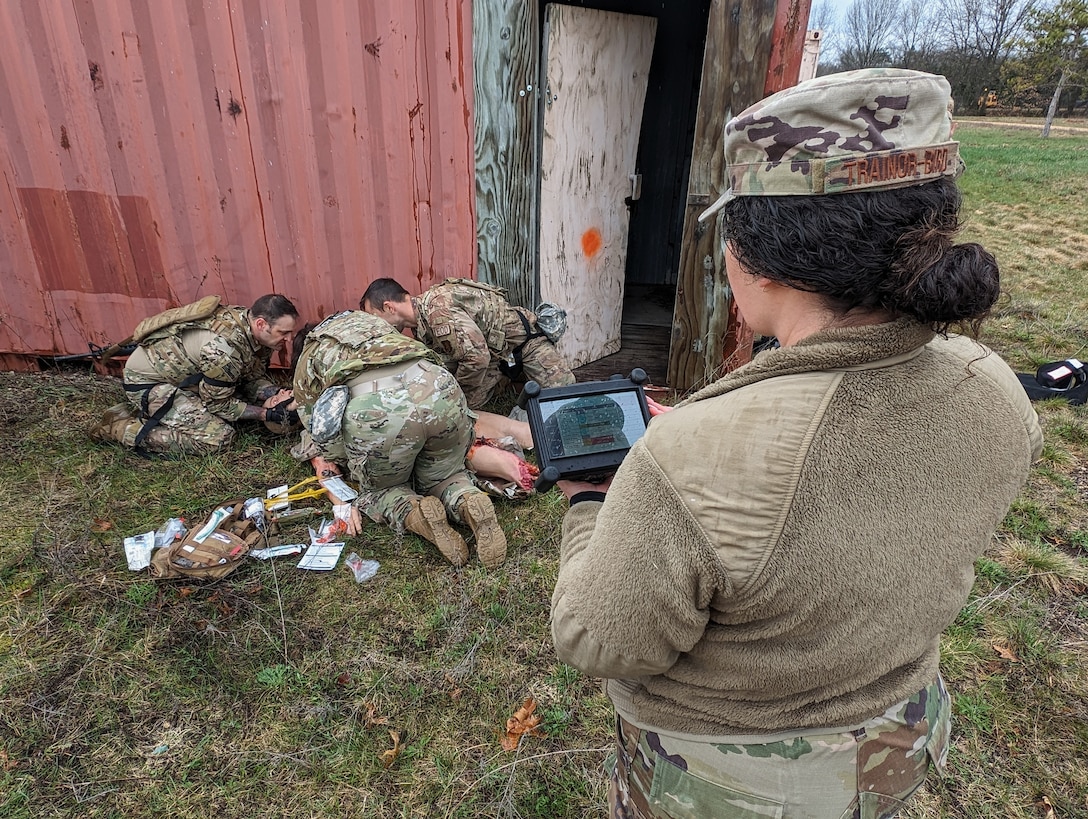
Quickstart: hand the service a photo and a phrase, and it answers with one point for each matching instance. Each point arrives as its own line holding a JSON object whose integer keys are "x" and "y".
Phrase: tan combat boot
{"x": 476, "y": 510}
{"x": 116, "y": 421}
{"x": 428, "y": 520}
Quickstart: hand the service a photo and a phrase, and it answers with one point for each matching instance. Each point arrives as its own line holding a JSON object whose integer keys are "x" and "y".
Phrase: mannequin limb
{"x": 492, "y": 425}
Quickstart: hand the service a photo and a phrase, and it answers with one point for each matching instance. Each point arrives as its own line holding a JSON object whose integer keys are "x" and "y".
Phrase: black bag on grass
{"x": 1066, "y": 379}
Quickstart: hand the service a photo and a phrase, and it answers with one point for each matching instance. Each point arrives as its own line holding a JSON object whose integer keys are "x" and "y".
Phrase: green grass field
{"x": 274, "y": 692}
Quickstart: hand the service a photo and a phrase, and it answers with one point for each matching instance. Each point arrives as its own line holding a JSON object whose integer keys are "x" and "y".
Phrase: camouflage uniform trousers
{"x": 540, "y": 360}
{"x": 187, "y": 427}
{"x": 407, "y": 438}
{"x": 475, "y": 359}
{"x": 544, "y": 365}
{"x": 865, "y": 773}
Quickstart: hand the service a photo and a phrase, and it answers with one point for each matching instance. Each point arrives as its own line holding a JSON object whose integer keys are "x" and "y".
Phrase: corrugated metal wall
{"x": 156, "y": 152}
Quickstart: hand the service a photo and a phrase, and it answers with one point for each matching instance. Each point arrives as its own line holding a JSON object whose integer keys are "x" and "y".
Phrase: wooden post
{"x": 752, "y": 49}
{"x": 505, "y": 60}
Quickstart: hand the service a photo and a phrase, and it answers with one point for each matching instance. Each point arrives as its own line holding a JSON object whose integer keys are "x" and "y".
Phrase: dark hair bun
{"x": 962, "y": 285}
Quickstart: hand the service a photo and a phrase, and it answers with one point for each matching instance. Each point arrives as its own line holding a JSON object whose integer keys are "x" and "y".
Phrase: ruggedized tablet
{"x": 583, "y": 431}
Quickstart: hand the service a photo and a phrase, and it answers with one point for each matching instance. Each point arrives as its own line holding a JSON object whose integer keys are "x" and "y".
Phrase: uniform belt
{"x": 384, "y": 378}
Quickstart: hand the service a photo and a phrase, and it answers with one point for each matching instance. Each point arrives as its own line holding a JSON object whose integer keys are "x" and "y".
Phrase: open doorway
{"x": 657, "y": 208}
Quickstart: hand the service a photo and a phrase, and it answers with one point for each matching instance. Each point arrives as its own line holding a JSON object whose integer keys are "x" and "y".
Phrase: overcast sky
{"x": 837, "y": 8}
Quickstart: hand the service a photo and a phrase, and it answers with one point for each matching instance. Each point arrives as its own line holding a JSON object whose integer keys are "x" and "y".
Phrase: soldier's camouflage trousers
{"x": 864, "y": 773}
{"x": 540, "y": 360}
{"x": 544, "y": 365}
{"x": 187, "y": 427}
{"x": 408, "y": 438}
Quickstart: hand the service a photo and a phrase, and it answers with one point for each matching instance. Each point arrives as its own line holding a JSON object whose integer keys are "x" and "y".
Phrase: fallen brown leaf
{"x": 19, "y": 595}
{"x": 372, "y": 717}
{"x": 390, "y": 756}
{"x": 101, "y": 525}
{"x": 1005, "y": 652}
{"x": 1047, "y": 806}
{"x": 524, "y": 721}
{"x": 6, "y": 762}
{"x": 455, "y": 690}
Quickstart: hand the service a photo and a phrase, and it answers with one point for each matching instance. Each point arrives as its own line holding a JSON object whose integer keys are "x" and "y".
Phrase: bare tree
{"x": 824, "y": 17}
{"x": 980, "y": 36}
{"x": 867, "y": 33}
{"x": 917, "y": 34}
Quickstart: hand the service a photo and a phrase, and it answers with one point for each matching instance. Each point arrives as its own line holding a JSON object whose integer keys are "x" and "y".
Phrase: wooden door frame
{"x": 505, "y": 72}
{"x": 707, "y": 335}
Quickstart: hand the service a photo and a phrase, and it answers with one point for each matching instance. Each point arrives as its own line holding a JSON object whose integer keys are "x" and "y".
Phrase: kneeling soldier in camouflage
{"x": 197, "y": 369}
{"x": 479, "y": 335}
{"x": 379, "y": 402}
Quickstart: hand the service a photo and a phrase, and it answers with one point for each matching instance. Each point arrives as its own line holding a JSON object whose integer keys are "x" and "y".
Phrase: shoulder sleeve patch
{"x": 442, "y": 330}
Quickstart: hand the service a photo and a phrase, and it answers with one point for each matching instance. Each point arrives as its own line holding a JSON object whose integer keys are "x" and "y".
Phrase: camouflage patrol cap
{"x": 871, "y": 129}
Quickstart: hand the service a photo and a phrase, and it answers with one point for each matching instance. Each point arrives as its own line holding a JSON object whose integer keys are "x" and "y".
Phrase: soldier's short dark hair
{"x": 273, "y": 307}
{"x": 381, "y": 291}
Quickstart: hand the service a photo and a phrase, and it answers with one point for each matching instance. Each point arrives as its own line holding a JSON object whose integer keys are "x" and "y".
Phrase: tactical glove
{"x": 279, "y": 414}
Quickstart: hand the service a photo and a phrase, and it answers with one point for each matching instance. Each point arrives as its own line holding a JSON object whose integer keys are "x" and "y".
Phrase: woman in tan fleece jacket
{"x": 764, "y": 583}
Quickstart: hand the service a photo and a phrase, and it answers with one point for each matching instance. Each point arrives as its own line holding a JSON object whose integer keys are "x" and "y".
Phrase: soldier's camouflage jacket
{"x": 345, "y": 345}
{"x": 472, "y": 327}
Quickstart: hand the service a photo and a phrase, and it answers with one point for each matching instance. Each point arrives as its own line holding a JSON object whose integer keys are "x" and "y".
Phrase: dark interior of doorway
{"x": 664, "y": 159}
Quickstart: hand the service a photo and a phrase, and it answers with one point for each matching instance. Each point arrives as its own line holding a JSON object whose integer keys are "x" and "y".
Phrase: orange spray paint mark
{"x": 591, "y": 242}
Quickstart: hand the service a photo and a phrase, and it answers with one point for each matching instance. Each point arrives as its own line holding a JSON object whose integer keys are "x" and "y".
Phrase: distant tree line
{"x": 1026, "y": 57}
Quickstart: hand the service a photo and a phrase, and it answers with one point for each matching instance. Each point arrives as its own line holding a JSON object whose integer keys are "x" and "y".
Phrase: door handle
{"x": 636, "y": 190}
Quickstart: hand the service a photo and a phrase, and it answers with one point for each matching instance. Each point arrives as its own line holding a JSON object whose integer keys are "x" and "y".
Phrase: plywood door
{"x": 596, "y": 64}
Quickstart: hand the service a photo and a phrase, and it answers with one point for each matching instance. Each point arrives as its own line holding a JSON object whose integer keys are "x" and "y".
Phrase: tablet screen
{"x": 591, "y": 423}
